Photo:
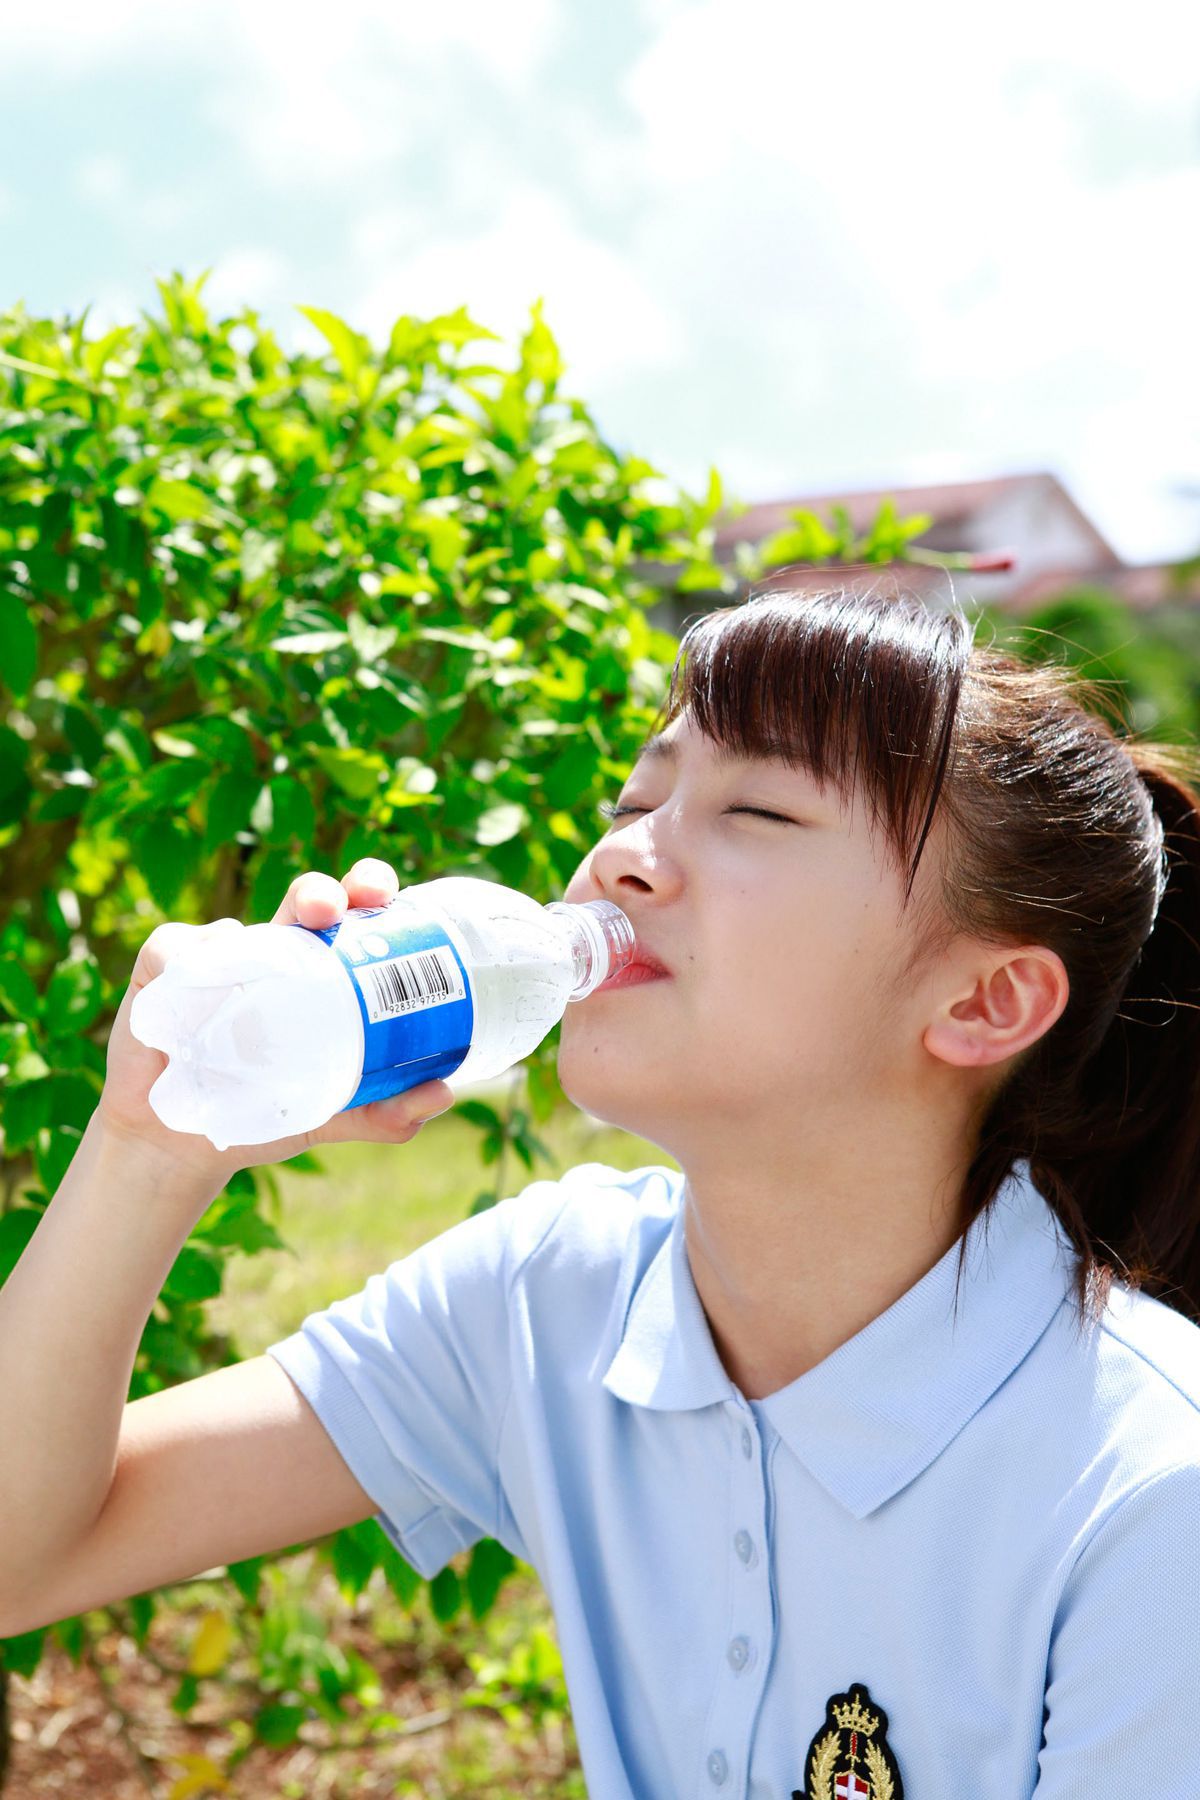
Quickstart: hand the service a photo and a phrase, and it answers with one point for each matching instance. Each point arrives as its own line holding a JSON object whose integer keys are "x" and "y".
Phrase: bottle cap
{"x": 602, "y": 940}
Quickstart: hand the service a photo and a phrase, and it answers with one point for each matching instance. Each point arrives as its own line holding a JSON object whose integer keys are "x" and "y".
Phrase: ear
{"x": 1013, "y": 1001}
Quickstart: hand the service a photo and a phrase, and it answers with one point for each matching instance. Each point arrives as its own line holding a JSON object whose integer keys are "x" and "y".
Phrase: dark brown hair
{"x": 1060, "y": 829}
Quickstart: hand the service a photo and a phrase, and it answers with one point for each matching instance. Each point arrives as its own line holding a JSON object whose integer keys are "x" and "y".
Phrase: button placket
{"x": 746, "y": 1653}
{"x": 743, "y": 1543}
{"x": 718, "y": 1767}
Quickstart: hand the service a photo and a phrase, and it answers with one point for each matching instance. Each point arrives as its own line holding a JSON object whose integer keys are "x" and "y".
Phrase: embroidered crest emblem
{"x": 850, "y": 1757}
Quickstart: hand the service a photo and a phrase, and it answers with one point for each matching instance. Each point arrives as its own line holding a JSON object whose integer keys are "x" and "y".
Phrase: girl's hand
{"x": 124, "y": 1108}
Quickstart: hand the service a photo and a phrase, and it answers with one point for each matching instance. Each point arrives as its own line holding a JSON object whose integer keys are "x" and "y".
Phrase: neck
{"x": 793, "y": 1257}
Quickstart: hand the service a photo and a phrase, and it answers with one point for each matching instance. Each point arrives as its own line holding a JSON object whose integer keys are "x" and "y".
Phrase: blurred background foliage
{"x": 261, "y": 613}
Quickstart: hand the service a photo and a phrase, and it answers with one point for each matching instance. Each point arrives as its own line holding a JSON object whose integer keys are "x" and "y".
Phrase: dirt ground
{"x": 70, "y": 1742}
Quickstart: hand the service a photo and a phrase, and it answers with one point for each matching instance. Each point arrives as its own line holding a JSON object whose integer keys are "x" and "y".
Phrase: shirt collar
{"x": 872, "y": 1415}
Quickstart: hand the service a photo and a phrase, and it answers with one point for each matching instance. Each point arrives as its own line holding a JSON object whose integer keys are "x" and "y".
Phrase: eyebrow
{"x": 662, "y": 748}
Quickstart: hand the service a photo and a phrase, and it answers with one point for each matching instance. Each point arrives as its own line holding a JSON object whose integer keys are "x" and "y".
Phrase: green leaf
{"x": 75, "y": 994}
{"x": 25, "y": 1109}
{"x": 399, "y": 1574}
{"x": 258, "y": 556}
{"x": 246, "y": 1577}
{"x": 179, "y": 500}
{"x": 230, "y": 803}
{"x": 16, "y": 1229}
{"x": 242, "y": 1226}
{"x": 357, "y": 772}
{"x": 352, "y": 1553}
{"x": 447, "y": 539}
{"x": 53, "y": 1162}
{"x": 83, "y": 735}
{"x": 539, "y": 351}
{"x": 16, "y": 789}
{"x": 141, "y": 1616}
{"x": 70, "y": 1634}
{"x": 18, "y": 995}
{"x": 280, "y": 1724}
{"x": 18, "y": 644}
{"x": 445, "y": 1594}
{"x": 168, "y": 853}
{"x": 490, "y": 1563}
{"x": 350, "y": 349}
{"x": 500, "y": 823}
{"x": 185, "y": 1695}
{"x": 309, "y": 643}
{"x": 173, "y": 746}
{"x": 194, "y": 1275}
{"x": 23, "y": 1653}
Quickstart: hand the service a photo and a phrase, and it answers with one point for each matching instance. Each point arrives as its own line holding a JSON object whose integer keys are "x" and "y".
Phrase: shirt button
{"x": 747, "y": 1441}
{"x": 743, "y": 1546}
{"x": 737, "y": 1653}
{"x": 718, "y": 1768}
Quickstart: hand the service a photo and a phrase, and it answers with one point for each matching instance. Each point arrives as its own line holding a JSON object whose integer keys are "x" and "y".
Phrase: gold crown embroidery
{"x": 849, "y": 1757}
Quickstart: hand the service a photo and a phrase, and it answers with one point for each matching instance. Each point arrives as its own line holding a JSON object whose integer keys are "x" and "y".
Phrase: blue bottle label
{"x": 413, "y": 995}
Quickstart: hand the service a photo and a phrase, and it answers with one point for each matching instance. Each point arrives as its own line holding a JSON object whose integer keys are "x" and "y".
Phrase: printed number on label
{"x": 411, "y": 983}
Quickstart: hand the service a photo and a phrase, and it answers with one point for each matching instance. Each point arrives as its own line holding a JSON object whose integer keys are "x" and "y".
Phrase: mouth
{"x": 643, "y": 968}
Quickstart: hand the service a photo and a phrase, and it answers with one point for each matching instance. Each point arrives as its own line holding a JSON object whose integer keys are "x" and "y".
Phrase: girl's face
{"x": 784, "y": 939}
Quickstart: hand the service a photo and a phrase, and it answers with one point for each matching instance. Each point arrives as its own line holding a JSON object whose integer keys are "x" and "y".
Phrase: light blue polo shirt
{"x": 956, "y": 1560}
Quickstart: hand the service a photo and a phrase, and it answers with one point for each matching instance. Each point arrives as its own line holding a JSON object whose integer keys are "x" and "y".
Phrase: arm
{"x": 100, "y": 1499}
{"x": 1124, "y": 1672}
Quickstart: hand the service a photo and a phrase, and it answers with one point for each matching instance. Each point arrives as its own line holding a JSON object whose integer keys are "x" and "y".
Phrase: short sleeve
{"x": 1122, "y": 1700}
{"x": 411, "y": 1376}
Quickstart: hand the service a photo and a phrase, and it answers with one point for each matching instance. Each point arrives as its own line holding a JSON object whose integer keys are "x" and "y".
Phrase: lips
{"x": 646, "y": 959}
{"x": 644, "y": 967}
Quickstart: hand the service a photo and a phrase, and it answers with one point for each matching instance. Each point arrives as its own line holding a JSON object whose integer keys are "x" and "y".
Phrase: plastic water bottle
{"x": 272, "y": 1029}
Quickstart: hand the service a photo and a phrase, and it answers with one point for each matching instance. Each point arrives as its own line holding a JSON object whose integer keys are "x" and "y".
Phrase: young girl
{"x": 862, "y": 1458}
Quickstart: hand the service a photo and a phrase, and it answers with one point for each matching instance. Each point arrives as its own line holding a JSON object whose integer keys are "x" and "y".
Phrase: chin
{"x": 615, "y": 1093}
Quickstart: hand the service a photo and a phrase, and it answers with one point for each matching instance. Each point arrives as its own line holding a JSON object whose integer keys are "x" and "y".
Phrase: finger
{"x": 371, "y": 882}
{"x": 395, "y": 1120}
{"x": 171, "y": 939}
{"x": 312, "y": 899}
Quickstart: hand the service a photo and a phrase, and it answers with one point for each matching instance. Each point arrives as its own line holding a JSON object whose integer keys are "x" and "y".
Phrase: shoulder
{"x": 1158, "y": 1336}
{"x": 1126, "y": 1390}
{"x": 593, "y": 1217}
{"x": 590, "y": 1221}
{"x": 1149, "y": 1365}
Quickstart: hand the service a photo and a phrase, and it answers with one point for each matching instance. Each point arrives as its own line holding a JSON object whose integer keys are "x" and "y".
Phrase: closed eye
{"x": 609, "y": 811}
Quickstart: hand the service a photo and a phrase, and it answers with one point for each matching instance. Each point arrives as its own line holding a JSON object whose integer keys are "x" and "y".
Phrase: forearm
{"x": 71, "y": 1318}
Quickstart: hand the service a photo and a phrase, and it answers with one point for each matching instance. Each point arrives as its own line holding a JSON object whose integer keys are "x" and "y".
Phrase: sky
{"x": 817, "y": 248}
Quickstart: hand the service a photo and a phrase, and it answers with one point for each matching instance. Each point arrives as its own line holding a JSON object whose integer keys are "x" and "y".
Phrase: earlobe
{"x": 1013, "y": 1004}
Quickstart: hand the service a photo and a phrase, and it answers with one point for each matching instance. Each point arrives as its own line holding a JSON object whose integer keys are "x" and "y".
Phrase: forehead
{"x": 664, "y": 746}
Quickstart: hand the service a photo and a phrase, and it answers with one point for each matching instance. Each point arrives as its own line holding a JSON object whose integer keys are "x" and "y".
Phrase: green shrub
{"x": 261, "y": 613}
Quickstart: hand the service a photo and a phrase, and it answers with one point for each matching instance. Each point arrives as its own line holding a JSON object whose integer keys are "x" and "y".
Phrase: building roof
{"x": 951, "y": 504}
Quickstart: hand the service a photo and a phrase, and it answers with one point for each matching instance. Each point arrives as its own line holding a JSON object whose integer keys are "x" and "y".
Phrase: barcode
{"x": 411, "y": 983}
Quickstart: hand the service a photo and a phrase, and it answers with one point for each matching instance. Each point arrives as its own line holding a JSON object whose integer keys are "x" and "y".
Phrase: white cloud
{"x": 816, "y": 248}
{"x": 249, "y": 275}
{"x": 307, "y": 94}
{"x": 607, "y": 321}
{"x": 896, "y": 236}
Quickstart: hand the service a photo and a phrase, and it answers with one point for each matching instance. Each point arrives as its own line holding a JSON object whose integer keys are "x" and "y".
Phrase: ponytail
{"x": 1107, "y": 1106}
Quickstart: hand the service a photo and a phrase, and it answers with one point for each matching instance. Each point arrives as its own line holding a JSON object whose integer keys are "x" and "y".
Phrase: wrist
{"x": 175, "y": 1174}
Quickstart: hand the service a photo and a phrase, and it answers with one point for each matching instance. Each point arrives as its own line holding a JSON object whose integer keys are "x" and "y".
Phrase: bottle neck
{"x": 601, "y": 939}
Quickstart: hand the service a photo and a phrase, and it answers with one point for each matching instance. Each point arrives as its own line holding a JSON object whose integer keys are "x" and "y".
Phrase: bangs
{"x": 855, "y": 682}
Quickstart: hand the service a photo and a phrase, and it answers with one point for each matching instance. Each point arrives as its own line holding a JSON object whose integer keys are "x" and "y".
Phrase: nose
{"x": 622, "y": 867}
